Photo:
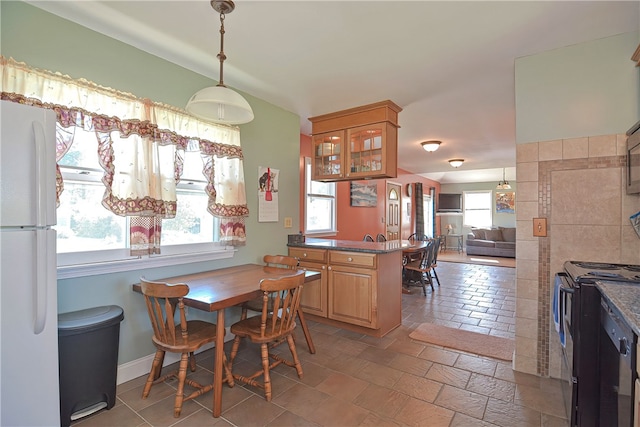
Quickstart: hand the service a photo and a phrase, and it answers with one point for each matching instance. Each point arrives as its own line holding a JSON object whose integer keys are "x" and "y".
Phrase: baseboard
{"x": 139, "y": 367}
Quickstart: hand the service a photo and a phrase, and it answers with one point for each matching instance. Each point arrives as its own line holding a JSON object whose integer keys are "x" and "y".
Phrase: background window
{"x": 477, "y": 208}
{"x": 320, "y": 204}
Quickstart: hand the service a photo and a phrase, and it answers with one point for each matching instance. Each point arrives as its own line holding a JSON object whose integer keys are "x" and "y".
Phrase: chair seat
{"x": 250, "y": 328}
{"x": 200, "y": 333}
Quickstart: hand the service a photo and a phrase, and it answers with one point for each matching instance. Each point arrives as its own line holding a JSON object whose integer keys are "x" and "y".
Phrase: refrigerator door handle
{"x": 40, "y": 284}
{"x": 41, "y": 157}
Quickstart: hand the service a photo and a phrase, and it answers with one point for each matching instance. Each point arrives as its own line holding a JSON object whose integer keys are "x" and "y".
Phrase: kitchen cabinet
{"x": 358, "y": 291}
{"x": 359, "y": 143}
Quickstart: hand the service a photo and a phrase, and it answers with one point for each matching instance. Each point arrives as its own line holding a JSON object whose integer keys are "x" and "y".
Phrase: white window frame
{"x": 465, "y": 209}
{"x": 308, "y": 195}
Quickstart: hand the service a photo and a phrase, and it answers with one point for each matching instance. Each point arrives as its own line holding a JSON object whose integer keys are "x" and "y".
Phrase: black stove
{"x": 584, "y": 272}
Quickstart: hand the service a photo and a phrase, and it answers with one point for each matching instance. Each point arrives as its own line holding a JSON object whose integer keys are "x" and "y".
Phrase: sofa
{"x": 500, "y": 241}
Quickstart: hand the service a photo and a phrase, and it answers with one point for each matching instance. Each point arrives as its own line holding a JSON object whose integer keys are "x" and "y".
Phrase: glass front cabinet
{"x": 356, "y": 144}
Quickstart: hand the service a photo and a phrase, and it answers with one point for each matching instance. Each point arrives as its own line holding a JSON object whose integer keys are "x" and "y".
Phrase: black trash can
{"x": 88, "y": 360}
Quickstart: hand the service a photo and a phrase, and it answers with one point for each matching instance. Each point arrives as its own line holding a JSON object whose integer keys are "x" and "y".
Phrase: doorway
{"x": 393, "y": 212}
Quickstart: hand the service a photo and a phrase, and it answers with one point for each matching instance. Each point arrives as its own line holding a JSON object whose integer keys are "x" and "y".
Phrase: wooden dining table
{"x": 410, "y": 253}
{"x": 217, "y": 290}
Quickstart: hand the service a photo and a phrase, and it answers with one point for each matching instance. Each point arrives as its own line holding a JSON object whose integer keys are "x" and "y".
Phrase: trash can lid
{"x": 90, "y": 318}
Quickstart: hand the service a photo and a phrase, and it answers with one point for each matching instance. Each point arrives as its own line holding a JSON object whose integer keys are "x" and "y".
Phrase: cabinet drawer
{"x": 356, "y": 259}
{"x": 309, "y": 255}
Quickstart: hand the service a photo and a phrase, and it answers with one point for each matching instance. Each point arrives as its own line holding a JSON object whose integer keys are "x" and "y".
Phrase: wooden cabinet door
{"x": 314, "y": 294}
{"x": 352, "y": 293}
{"x": 328, "y": 156}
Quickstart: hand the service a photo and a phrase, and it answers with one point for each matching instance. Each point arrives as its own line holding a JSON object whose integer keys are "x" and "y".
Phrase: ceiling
{"x": 449, "y": 65}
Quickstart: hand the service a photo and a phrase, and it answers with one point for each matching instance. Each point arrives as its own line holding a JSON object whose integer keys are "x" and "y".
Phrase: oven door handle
{"x": 565, "y": 287}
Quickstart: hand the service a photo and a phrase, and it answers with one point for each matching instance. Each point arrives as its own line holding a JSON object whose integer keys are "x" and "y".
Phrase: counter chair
{"x": 418, "y": 271}
{"x": 184, "y": 338}
{"x": 368, "y": 238}
{"x": 281, "y": 261}
{"x": 381, "y": 238}
{"x": 276, "y": 322}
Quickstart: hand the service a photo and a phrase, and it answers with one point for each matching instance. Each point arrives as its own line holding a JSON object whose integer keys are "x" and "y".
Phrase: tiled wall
{"x": 578, "y": 186}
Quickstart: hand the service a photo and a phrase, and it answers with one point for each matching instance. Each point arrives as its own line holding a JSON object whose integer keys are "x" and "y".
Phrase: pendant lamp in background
{"x": 219, "y": 104}
{"x": 504, "y": 184}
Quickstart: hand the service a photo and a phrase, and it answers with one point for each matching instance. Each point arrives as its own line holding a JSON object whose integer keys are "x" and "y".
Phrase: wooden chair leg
{"x": 154, "y": 373}
{"x": 307, "y": 333}
{"x": 182, "y": 375}
{"x": 234, "y": 350}
{"x": 192, "y": 361}
{"x": 264, "y": 352}
{"x": 435, "y": 274}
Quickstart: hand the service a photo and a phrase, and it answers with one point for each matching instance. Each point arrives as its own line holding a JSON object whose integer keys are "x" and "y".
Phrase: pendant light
{"x": 504, "y": 184}
{"x": 219, "y": 104}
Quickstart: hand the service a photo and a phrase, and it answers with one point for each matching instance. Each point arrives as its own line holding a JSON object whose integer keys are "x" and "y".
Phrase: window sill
{"x": 93, "y": 269}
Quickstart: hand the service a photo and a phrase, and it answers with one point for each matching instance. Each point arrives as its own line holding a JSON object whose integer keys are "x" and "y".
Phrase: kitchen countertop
{"x": 626, "y": 298}
{"x": 353, "y": 245}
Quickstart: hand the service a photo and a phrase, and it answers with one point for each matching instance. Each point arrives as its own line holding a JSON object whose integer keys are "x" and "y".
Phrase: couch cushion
{"x": 508, "y": 234}
{"x": 495, "y": 235}
{"x": 478, "y": 233}
{"x": 506, "y": 245}
{"x": 481, "y": 243}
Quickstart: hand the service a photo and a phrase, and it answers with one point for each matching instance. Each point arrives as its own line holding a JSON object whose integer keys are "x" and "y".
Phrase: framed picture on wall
{"x": 364, "y": 194}
{"x": 506, "y": 202}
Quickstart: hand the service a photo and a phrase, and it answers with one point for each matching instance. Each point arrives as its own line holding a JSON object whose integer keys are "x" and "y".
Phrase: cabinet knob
{"x": 324, "y": 266}
{"x": 349, "y": 259}
{"x": 304, "y": 254}
{"x": 328, "y": 268}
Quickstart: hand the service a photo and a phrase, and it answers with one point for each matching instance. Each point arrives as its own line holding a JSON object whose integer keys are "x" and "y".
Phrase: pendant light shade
{"x": 219, "y": 104}
{"x": 504, "y": 184}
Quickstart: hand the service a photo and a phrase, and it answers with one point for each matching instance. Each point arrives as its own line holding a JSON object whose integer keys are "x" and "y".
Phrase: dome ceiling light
{"x": 456, "y": 163}
{"x": 430, "y": 146}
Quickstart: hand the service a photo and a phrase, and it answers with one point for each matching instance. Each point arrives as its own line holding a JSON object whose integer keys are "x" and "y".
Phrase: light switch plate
{"x": 288, "y": 222}
{"x": 540, "y": 227}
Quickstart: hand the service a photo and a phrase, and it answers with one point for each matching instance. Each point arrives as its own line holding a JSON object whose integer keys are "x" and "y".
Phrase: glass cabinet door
{"x": 366, "y": 154}
{"x": 328, "y": 155}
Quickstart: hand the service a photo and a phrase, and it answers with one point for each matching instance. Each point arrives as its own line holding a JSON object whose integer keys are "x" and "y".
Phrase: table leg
{"x": 218, "y": 368}
{"x": 305, "y": 330}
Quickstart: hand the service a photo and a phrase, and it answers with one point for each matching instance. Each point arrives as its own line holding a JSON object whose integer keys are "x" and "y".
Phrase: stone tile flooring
{"x": 356, "y": 380}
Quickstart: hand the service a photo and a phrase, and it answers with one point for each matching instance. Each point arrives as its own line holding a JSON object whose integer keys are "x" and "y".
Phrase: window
{"x": 320, "y": 204}
{"x": 88, "y": 232}
{"x": 477, "y": 207}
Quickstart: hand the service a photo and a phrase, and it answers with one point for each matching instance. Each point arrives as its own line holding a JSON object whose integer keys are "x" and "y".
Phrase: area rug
{"x": 452, "y": 256}
{"x": 459, "y": 339}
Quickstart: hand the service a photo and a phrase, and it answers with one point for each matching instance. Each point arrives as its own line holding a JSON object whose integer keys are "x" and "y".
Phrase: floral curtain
{"x": 140, "y": 145}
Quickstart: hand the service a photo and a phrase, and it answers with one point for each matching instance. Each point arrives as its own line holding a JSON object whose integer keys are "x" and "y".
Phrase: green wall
{"x": 587, "y": 89}
{"x": 272, "y": 139}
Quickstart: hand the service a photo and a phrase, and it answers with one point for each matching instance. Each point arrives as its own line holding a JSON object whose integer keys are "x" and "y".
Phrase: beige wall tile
{"x": 527, "y": 191}
{"x": 527, "y": 152}
{"x": 630, "y": 205}
{"x": 524, "y": 230}
{"x": 586, "y": 196}
{"x": 550, "y": 150}
{"x": 526, "y": 171}
{"x": 526, "y": 346}
{"x": 527, "y": 328}
{"x": 528, "y": 365}
{"x": 527, "y": 288}
{"x": 526, "y": 308}
{"x": 630, "y": 252}
{"x": 598, "y": 243}
{"x": 526, "y": 269}
{"x": 621, "y": 144}
{"x": 602, "y": 146}
{"x": 527, "y": 250}
{"x": 575, "y": 148}
{"x": 526, "y": 210}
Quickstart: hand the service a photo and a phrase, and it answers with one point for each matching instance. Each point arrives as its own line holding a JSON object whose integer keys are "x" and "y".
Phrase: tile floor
{"x": 356, "y": 380}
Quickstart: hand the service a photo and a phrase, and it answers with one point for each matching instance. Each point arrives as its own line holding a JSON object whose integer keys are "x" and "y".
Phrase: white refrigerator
{"x": 29, "y": 387}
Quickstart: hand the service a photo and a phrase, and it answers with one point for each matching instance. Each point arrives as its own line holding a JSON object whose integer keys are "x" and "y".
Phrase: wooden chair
{"x": 280, "y": 261}
{"x": 368, "y": 238}
{"x": 381, "y": 238}
{"x": 276, "y": 322}
{"x": 418, "y": 272}
{"x": 185, "y": 338}
{"x": 436, "y": 250}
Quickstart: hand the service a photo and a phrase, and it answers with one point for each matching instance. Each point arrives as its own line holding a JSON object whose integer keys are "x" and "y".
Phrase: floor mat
{"x": 459, "y": 339}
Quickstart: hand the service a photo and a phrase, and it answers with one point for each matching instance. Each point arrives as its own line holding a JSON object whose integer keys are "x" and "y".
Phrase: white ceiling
{"x": 449, "y": 65}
